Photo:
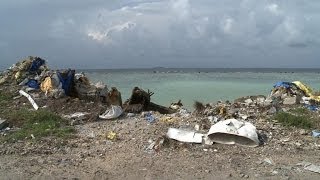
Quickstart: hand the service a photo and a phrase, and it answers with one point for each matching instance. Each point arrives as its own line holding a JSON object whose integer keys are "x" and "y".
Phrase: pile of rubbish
{"x": 225, "y": 122}
{"x": 289, "y": 93}
{"x": 231, "y": 123}
{"x": 29, "y": 72}
{"x": 32, "y": 74}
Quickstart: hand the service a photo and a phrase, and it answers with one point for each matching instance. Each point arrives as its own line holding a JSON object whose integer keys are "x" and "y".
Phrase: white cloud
{"x": 107, "y": 34}
{"x": 273, "y": 8}
{"x": 227, "y": 25}
{"x": 181, "y": 8}
{"x": 164, "y": 28}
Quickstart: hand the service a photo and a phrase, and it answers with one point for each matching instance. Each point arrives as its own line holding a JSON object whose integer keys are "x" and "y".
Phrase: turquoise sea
{"x": 205, "y": 85}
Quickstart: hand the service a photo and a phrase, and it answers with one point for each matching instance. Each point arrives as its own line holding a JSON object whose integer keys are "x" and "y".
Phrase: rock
{"x": 267, "y": 102}
{"x": 260, "y": 100}
{"x": 290, "y": 100}
{"x": 3, "y": 124}
{"x": 272, "y": 110}
{"x": 303, "y": 132}
{"x": 268, "y": 161}
{"x": 248, "y": 101}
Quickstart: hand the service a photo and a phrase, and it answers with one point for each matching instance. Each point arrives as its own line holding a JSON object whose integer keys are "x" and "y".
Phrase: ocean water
{"x": 205, "y": 85}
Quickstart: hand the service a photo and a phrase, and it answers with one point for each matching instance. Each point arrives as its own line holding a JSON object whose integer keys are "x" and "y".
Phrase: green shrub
{"x": 300, "y": 121}
{"x": 39, "y": 123}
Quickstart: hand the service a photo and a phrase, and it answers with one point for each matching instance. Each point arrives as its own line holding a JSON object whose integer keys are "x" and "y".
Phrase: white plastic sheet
{"x": 34, "y": 104}
{"x": 232, "y": 131}
{"x": 112, "y": 113}
{"x": 184, "y": 135}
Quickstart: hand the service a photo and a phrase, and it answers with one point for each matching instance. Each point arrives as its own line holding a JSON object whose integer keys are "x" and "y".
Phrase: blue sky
{"x": 169, "y": 33}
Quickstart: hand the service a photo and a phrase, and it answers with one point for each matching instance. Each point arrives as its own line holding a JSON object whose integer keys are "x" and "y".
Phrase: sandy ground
{"x": 92, "y": 156}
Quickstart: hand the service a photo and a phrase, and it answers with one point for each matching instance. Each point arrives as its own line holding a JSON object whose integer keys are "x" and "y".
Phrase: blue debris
{"x": 33, "y": 84}
{"x": 149, "y": 117}
{"x": 66, "y": 81}
{"x": 283, "y": 84}
{"x": 36, "y": 64}
{"x": 316, "y": 133}
{"x": 312, "y": 107}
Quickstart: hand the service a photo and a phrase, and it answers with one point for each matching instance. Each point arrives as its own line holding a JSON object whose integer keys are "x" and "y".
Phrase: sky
{"x": 104, "y": 34}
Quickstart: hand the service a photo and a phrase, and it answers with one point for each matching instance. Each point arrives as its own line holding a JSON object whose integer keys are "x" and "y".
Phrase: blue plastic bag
{"x": 66, "y": 81}
{"x": 36, "y": 64}
{"x": 33, "y": 84}
{"x": 149, "y": 117}
{"x": 283, "y": 84}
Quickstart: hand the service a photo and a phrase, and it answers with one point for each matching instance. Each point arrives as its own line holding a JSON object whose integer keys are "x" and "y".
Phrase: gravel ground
{"x": 131, "y": 155}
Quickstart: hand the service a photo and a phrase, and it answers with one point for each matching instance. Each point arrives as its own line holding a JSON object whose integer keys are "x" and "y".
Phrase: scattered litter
{"x": 33, "y": 84}
{"x": 184, "y": 135}
{"x": 316, "y": 133}
{"x": 111, "y": 136}
{"x": 77, "y": 115}
{"x": 112, "y": 113}
{"x": 207, "y": 140}
{"x": 310, "y": 167}
{"x": 312, "y": 107}
{"x": 184, "y": 113}
{"x": 168, "y": 119}
{"x": 34, "y": 104}
{"x": 149, "y": 117}
{"x": 233, "y": 131}
{"x": 46, "y": 85}
{"x": 156, "y": 145}
{"x": 197, "y": 127}
{"x": 3, "y": 124}
{"x": 176, "y": 106}
{"x": 131, "y": 115}
{"x": 268, "y": 161}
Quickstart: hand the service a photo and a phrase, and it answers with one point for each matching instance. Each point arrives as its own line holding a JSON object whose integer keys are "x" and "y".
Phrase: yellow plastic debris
{"x": 46, "y": 85}
{"x": 307, "y": 90}
{"x": 111, "y": 135}
{"x": 168, "y": 119}
{"x": 17, "y": 75}
{"x": 223, "y": 110}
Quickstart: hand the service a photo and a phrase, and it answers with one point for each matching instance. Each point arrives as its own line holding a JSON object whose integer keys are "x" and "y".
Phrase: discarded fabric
{"x": 33, "y": 84}
{"x": 112, "y": 113}
{"x": 233, "y": 131}
{"x": 36, "y": 64}
{"x": 66, "y": 79}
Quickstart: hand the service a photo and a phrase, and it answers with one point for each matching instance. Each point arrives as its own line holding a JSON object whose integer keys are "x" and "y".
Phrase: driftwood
{"x": 140, "y": 101}
{"x": 160, "y": 109}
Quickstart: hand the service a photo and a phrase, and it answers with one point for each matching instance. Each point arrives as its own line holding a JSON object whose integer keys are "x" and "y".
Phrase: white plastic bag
{"x": 112, "y": 113}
